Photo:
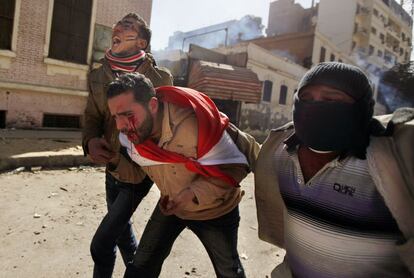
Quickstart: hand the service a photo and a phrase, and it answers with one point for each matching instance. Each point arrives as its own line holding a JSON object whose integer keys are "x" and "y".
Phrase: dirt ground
{"x": 18, "y": 146}
{"x": 47, "y": 219}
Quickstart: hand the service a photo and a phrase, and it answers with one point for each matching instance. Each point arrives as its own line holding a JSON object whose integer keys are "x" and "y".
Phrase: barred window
{"x": 283, "y": 94}
{"x": 69, "y": 35}
{"x": 322, "y": 55}
{"x": 267, "y": 90}
{"x": 7, "y": 8}
{"x": 62, "y": 121}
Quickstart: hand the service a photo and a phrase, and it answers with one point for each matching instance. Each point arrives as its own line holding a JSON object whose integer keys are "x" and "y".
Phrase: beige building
{"x": 375, "y": 34}
{"x": 267, "y": 106}
{"x": 372, "y": 34}
{"x": 46, "y": 50}
{"x": 310, "y": 48}
{"x": 280, "y": 78}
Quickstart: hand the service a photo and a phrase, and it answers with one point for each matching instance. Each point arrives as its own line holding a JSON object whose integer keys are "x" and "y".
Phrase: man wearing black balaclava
{"x": 316, "y": 195}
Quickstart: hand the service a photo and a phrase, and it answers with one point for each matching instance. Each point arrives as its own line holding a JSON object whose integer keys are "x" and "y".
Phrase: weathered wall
{"x": 25, "y": 109}
{"x": 45, "y": 91}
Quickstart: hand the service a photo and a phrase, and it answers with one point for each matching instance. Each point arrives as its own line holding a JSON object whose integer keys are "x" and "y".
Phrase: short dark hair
{"x": 144, "y": 30}
{"x": 136, "y": 83}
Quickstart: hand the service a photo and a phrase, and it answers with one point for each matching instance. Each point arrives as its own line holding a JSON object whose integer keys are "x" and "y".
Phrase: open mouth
{"x": 132, "y": 136}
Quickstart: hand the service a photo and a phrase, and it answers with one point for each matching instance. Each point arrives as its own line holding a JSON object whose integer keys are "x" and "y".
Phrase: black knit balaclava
{"x": 335, "y": 126}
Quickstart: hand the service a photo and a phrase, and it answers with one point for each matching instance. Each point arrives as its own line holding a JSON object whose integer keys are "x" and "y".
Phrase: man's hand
{"x": 100, "y": 150}
{"x": 169, "y": 207}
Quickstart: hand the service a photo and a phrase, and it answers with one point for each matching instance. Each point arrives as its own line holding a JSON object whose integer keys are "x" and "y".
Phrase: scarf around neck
{"x": 125, "y": 63}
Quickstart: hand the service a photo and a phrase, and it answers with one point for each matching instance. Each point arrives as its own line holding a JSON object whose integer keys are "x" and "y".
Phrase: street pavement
{"x": 51, "y": 203}
{"x": 48, "y": 218}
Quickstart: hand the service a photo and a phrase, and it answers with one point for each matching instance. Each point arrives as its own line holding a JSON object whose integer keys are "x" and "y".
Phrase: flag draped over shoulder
{"x": 214, "y": 146}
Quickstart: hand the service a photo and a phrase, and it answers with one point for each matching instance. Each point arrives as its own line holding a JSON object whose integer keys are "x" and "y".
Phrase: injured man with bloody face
{"x": 179, "y": 138}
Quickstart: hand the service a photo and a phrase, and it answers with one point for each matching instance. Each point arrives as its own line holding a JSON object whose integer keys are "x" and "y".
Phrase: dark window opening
{"x": 371, "y": 50}
{"x": 332, "y": 57}
{"x": 340, "y": 61}
{"x": 229, "y": 107}
{"x": 6, "y": 23}
{"x": 283, "y": 94}
{"x": 69, "y": 35}
{"x": 2, "y": 119}
{"x": 322, "y": 55}
{"x": 267, "y": 90}
{"x": 63, "y": 121}
{"x": 382, "y": 38}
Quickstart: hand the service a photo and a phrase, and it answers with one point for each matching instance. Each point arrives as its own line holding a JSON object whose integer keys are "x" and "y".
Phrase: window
{"x": 322, "y": 55}
{"x": 379, "y": 53}
{"x": 69, "y": 35}
{"x": 373, "y": 30}
{"x": 2, "y": 119}
{"x": 332, "y": 57}
{"x": 63, "y": 121}
{"x": 371, "y": 50}
{"x": 6, "y": 23}
{"x": 403, "y": 36}
{"x": 340, "y": 61}
{"x": 283, "y": 94}
{"x": 389, "y": 57}
{"x": 267, "y": 90}
{"x": 353, "y": 45}
{"x": 375, "y": 12}
{"x": 382, "y": 38}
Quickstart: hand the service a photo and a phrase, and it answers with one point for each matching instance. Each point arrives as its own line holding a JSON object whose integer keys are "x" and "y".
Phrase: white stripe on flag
{"x": 224, "y": 152}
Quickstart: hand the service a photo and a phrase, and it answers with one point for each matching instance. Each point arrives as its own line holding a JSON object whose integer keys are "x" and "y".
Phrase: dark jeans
{"x": 219, "y": 237}
{"x": 115, "y": 229}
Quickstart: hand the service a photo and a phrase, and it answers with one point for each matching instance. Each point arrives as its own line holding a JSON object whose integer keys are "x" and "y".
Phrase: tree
{"x": 396, "y": 87}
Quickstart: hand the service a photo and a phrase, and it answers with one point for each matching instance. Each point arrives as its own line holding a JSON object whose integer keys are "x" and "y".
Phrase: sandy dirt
{"x": 47, "y": 219}
{"x": 17, "y": 146}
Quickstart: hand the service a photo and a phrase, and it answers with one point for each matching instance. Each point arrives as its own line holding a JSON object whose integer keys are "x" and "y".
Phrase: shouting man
{"x": 126, "y": 184}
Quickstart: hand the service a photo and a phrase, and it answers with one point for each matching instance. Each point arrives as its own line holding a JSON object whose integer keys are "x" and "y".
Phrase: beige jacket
{"x": 99, "y": 123}
{"x": 215, "y": 198}
{"x": 391, "y": 162}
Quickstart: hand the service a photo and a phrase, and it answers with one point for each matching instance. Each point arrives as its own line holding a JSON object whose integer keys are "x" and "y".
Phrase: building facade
{"x": 280, "y": 78}
{"x": 46, "y": 51}
{"x": 376, "y": 34}
{"x": 268, "y": 106}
